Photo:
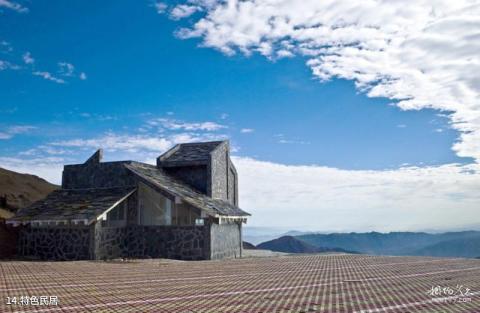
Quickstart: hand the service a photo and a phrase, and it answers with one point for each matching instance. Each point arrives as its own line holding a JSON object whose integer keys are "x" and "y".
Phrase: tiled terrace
{"x": 307, "y": 283}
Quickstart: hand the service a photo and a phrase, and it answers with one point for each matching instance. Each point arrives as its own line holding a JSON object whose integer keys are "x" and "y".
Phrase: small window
{"x": 199, "y": 222}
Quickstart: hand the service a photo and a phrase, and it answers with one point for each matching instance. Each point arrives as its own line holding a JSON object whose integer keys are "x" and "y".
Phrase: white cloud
{"x": 289, "y": 141}
{"x": 5, "y": 65}
{"x": 66, "y": 69}
{"x": 247, "y": 130}
{"x": 49, "y": 76}
{"x": 135, "y": 145}
{"x": 160, "y": 7}
{"x": 5, "y": 47}
{"x": 331, "y": 199}
{"x": 13, "y": 6}
{"x": 183, "y": 11}
{"x": 47, "y": 160}
{"x": 421, "y": 54}
{"x": 172, "y": 124}
{"x": 11, "y": 131}
{"x": 27, "y": 58}
{"x": 114, "y": 142}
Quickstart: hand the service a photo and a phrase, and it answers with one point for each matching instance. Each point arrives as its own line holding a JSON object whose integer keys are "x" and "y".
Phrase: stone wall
{"x": 224, "y": 181}
{"x": 226, "y": 241}
{"x": 172, "y": 242}
{"x": 219, "y": 172}
{"x": 99, "y": 242}
{"x": 97, "y": 175}
{"x": 8, "y": 241}
{"x": 55, "y": 243}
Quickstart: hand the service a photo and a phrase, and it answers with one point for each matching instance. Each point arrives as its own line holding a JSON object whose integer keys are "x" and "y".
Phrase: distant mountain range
{"x": 20, "y": 190}
{"x": 451, "y": 244}
{"x": 290, "y": 244}
{"x": 257, "y": 234}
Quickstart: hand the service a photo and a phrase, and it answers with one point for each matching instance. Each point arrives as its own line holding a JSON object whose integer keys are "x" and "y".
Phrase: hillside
{"x": 290, "y": 244}
{"x": 247, "y": 245}
{"x": 463, "y": 247}
{"x": 20, "y": 190}
{"x": 395, "y": 243}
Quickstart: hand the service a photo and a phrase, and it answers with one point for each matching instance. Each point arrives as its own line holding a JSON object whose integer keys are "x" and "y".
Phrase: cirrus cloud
{"x": 13, "y": 6}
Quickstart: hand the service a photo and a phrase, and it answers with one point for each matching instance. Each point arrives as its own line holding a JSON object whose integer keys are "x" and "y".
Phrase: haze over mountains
{"x": 455, "y": 244}
{"x": 452, "y": 244}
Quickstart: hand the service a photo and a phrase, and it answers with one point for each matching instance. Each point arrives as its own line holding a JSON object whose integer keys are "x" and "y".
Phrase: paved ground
{"x": 309, "y": 283}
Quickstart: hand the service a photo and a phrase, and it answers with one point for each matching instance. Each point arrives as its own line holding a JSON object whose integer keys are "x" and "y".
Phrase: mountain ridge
{"x": 401, "y": 243}
{"x": 291, "y": 244}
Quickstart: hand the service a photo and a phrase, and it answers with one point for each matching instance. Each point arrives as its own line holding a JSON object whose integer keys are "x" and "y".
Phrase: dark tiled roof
{"x": 73, "y": 204}
{"x": 190, "y": 152}
{"x": 158, "y": 178}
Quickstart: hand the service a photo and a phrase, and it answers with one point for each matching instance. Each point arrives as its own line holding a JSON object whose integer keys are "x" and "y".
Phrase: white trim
{"x": 13, "y": 223}
{"x": 230, "y": 216}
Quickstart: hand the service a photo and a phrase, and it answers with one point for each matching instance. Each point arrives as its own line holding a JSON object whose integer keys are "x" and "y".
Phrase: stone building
{"x": 185, "y": 207}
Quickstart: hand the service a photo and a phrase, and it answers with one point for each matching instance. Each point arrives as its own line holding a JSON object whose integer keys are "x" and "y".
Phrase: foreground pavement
{"x": 303, "y": 283}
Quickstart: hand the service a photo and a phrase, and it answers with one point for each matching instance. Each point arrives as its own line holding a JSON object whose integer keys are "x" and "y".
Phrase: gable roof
{"x": 73, "y": 204}
{"x": 157, "y": 178}
{"x": 198, "y": 152}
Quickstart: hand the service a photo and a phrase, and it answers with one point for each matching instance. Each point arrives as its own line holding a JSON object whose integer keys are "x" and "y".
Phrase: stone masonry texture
{"x": 213, "y": 176}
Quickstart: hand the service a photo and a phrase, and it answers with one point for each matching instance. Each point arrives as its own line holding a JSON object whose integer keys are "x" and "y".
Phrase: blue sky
{"x": 77, "y": 76}
{"x": 135, "y": 65}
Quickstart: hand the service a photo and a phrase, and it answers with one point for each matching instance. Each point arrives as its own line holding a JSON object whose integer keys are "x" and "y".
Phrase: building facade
{"x": 185, "y": 207}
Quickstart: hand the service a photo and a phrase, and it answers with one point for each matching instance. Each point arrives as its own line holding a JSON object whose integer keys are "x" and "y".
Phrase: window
{"x": 153, "y": 207}
{"x": 185, "y": 214}
{"x": 117, "y": 216}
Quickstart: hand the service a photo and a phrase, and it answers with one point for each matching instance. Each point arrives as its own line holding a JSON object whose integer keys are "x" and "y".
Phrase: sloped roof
{"x": 158, "y": 178}
{"x": 190, "y": 152}
{"x": 73, "y": 204}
